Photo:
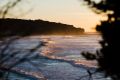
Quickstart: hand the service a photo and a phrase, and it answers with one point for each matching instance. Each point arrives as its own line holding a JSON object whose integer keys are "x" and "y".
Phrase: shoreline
{"x": 46, "y": 66}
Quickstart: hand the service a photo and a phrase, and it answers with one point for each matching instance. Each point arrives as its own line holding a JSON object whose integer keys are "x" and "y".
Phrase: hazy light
{"x": 64, "y": 11}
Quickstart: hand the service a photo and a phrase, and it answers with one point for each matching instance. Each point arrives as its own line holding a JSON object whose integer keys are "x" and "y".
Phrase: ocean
{"x": 70, "y": 47}
{"x": 57, "y": 58}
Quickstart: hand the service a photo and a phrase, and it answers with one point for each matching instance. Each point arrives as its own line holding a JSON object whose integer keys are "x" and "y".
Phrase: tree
{"x": 108, "y": 56}
{"x": 13, "y": 8}
{"x": 8, "y": 5}
{"x": 6, "y": 53}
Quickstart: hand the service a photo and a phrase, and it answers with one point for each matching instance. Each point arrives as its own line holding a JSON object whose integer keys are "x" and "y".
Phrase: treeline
{"x": 10, "y": 27}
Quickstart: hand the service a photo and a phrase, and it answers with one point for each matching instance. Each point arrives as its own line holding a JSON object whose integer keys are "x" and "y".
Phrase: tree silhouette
{"x": 4, "y": 10}
{"x": 108, "y": 55}
{"x": 13, "y": 8}
{"x": 8, "y": 54}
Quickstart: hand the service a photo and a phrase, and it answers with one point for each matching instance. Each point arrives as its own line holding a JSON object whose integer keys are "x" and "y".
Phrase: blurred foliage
{"x": 108, "y": 56}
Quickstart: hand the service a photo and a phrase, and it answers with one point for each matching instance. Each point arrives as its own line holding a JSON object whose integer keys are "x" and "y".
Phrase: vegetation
{"x": 108, "y": 56}
{"x": 7, "y": 54}
{"x": 10, "y": 27}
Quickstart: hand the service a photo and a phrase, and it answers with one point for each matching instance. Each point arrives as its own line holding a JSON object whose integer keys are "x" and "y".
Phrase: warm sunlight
{"x": 65, "y": 11}
{"x": 59, "y": 39}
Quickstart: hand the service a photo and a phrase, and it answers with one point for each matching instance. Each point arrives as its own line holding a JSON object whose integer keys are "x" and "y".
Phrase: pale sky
{"x": 71, "y": 12}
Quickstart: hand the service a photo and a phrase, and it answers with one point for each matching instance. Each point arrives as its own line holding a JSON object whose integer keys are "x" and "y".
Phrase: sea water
{"x": 58, "y": 58}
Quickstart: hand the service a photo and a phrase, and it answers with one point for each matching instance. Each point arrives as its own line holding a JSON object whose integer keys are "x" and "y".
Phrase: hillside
{"x": 9, "y": 27}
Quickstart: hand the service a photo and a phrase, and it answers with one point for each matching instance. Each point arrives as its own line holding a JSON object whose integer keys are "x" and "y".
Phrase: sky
{"x": 71, "y": 12}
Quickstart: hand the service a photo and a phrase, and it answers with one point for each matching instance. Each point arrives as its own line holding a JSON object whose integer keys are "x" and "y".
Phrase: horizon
{"x": 58, "y": 22}
{"x": 72, "y": 12}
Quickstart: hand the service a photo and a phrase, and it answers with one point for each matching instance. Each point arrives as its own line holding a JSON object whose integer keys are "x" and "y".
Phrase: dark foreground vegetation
{"x": 108, "y": 56}
{"x": 9, "y": 27}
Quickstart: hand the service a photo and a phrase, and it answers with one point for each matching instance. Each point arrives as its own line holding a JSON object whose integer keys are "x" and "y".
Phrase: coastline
{"x": 47, "y": 68}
